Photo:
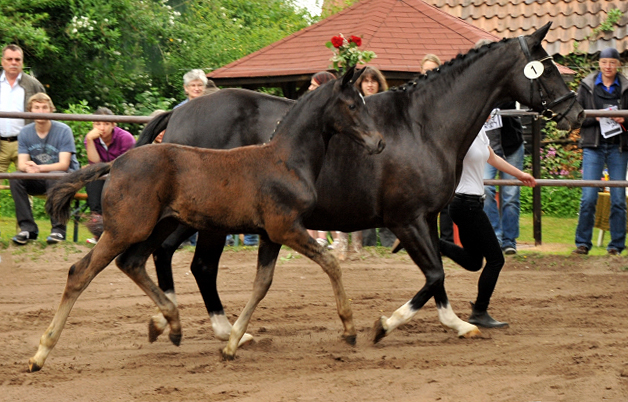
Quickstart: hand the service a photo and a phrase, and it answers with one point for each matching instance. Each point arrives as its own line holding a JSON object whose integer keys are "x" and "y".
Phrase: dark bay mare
{"x": 428, "y": 124}
{"x": 264, "y": 189}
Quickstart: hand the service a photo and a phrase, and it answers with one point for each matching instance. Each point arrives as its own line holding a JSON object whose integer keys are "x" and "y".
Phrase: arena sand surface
{"x": 567, "y": 340}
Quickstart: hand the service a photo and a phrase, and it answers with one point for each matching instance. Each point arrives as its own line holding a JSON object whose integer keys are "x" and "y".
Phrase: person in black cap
{"x": 604, "y": 142}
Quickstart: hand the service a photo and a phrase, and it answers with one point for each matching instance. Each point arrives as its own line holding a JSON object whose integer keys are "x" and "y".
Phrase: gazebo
{"x": 400, "y": 32}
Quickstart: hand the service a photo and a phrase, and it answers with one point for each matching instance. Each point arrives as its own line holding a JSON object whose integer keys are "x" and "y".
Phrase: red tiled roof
{"x": 572, "y": 20}
{"x": 400, "y": 32}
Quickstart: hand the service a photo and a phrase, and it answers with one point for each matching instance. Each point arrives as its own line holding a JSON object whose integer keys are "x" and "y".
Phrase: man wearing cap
{"x": 604, "y": 142}
{"x": 16, "y": 88}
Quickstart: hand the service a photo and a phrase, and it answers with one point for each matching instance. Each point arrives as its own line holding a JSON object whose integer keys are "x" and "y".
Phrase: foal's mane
{"x": 300, "y": 101}
{"x": 458, "y": 63}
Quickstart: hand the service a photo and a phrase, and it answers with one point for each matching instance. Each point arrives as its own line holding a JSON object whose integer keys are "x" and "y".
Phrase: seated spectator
{"x": 194, "y": 84}
{"x": 104, "y": 143}
{"x": 43, "y": 146}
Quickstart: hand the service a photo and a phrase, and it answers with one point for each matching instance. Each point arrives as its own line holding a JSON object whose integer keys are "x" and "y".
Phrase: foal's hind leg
{"x": 162, "y": 257}
{"x": 79, "y": 277}
{"x": 209, "y": 248}
{"x": 422, "y": 245}
{"x": 133, "y": 263}
{"x": 266, "y": 260}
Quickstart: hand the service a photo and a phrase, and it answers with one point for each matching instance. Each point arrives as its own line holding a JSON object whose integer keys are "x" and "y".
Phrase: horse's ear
{"x": 540, "y": 33}
{"x": 357, "y": 74}
{"x": 348, "y": 77}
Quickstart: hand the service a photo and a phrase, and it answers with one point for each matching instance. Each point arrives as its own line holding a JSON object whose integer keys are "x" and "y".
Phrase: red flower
{"x": 337, "y": 41}
{"x": 355, "y": 39}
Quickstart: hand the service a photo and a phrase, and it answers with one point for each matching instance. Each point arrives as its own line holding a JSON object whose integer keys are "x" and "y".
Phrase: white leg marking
{"x": 402, "y": 315}
{"x": 449, "y": 319}
{"x": 222, "y": 329}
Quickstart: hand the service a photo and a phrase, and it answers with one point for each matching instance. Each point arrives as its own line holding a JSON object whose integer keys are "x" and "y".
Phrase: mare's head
{"x": 345, "y": 112}
{"x": 538, "y": 80}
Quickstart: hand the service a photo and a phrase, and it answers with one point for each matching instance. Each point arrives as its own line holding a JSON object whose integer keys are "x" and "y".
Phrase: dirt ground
{"x": 566, "y": 341}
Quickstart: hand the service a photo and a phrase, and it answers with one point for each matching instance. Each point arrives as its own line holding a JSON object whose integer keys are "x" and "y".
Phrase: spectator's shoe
{"x": 582, "y": 250}
{"x": 55, "y": 238}
{"x": 614, "y": 251}
{"x": 95, "y": 225}
{"x": 510, "y": 251}
{"x": 92, "y": 240}
{"x": 23, "y": 237}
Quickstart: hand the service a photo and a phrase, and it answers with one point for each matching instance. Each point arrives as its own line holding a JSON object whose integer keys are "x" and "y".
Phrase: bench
{"x": 76, "y": 210}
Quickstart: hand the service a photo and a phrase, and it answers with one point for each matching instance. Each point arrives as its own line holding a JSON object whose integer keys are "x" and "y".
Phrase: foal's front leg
{"x": 266, "y": 260}
{"x": 304, "y": 244}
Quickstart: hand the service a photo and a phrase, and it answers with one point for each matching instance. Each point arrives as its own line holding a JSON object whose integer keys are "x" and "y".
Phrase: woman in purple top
{"x": 104, "y": 143}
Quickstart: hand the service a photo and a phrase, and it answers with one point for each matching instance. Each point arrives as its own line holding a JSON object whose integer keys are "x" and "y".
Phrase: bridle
{"x": 547, "y": 109}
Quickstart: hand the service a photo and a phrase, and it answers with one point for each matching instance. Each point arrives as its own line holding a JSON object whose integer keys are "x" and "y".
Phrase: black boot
{"x": 482, "y": 319}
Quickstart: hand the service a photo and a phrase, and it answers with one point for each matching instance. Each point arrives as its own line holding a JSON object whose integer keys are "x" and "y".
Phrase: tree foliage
{"x": 125, "y": 53}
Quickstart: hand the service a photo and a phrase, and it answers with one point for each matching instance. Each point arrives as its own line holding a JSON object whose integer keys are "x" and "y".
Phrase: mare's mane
{"x": 451, "y": 67}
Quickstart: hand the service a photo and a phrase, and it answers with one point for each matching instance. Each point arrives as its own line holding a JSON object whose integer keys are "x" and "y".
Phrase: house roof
{"x": 572, "y": 21}
{"x": 400, "y": 32}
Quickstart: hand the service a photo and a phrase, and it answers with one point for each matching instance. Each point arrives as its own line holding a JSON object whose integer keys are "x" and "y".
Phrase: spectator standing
{"x": 194, "y": 85}
{"x": 506, "y": 137}
{"x": 16, "y": 88}
{"x": 104, "y": 143}
{"x": 371, "y": 82}
{"x": 43, "y": 146}
{"x": 604, "y": 142}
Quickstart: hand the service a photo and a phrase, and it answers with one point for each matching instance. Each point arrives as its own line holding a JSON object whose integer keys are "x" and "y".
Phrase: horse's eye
{"x": 352, "y": 106}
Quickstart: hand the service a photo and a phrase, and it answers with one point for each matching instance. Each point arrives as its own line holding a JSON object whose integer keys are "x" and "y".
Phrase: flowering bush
{"x": 346, "y": 52}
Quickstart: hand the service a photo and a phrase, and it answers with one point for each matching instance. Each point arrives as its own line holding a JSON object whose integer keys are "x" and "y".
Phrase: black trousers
{"x": 446, "y": 225}
{"x": 478, "y": 243}
{"x": 94, "y": 194}
{"x": 20, "y": 190}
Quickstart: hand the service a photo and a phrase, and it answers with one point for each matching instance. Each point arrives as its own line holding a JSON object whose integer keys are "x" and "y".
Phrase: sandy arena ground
{"x": 567, "y": 340}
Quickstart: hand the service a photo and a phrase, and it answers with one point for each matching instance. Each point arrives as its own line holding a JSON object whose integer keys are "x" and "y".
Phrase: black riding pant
{"x": 478, "y": 242}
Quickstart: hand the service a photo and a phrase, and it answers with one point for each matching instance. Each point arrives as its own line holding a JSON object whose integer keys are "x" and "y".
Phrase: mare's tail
{"x": 61, "y": 194}
{"x": 153, "y": 128}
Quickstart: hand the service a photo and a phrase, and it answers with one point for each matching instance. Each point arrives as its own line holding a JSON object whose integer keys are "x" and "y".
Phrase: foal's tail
{"x": 61, "y": 194}
{"x": 153, "y": 128}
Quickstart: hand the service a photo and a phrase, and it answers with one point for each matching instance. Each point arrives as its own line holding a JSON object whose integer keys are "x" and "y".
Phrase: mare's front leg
{"x": 162, "y": 257}
{"x": 420, "y": 239}
{"x": 266, "y": 260}
{"x": 79, "y": 277}
{"x": 303, "y": 243}
{"x": 209, "y": 248}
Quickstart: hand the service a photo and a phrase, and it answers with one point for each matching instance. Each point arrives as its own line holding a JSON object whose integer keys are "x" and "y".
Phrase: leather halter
{"x": 547, "y": 109}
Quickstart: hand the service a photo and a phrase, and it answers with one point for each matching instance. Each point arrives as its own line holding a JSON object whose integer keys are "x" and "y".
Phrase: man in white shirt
{"x": 16, "y": 87}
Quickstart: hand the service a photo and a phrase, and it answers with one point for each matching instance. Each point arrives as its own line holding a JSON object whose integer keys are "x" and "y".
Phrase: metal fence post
{"x": 536, "y": 172}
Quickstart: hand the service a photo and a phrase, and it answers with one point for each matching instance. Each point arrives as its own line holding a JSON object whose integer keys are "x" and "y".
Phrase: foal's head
{"x": 345, "y": 112}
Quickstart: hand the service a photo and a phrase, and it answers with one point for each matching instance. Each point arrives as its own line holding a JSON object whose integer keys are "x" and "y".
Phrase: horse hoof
{"x": 33, "y": 366}
{"x": 227, "y": 356}
{"x": 175, "y": 339}
{"x": 379, "y": 331}
{"x": 153, "y": 331}
{"x": 350, "y": 339}
{"x": 473, "y": 333}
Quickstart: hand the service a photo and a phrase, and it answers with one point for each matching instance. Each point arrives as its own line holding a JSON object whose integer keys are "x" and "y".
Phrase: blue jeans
{"x": 504, "y": 222}
{"x": 593, "y": 161}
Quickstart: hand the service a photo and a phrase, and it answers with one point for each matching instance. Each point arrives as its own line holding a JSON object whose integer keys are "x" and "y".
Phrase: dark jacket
{"x": 590, "y": 130}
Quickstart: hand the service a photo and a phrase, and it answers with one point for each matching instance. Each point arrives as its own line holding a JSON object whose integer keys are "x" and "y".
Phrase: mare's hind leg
{"x": 303, "y": 243}
{"x": 421, "y": 241}
{"x": 79, "y": 277}
{"x": 162, "y": 257}
{"x": 133, "y": 263}
{"x": 266, "y": 260}
{"x": 209, "y": 248}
